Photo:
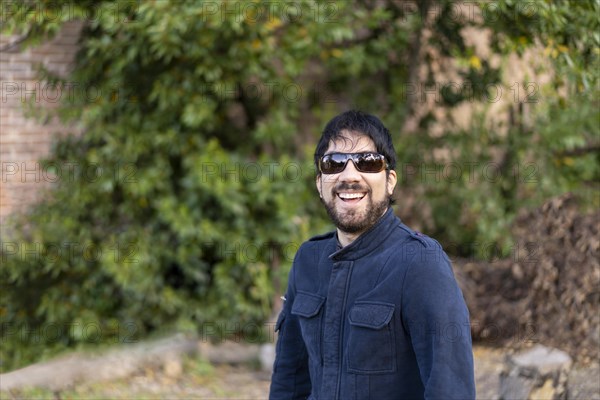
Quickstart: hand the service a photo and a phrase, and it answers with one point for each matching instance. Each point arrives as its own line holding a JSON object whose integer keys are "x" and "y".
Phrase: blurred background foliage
{"x": 206, "y": 140}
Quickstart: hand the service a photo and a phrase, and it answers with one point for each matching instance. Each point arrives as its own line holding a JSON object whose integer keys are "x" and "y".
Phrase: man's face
{"x": 355, "y": 200}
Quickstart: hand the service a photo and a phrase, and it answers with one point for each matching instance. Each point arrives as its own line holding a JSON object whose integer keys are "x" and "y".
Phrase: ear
{"x": 392, "y": 179}
{"x": 318, "y": 183}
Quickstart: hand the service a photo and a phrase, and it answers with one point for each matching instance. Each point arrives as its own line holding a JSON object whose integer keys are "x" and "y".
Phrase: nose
{"x": 350, "y": 173}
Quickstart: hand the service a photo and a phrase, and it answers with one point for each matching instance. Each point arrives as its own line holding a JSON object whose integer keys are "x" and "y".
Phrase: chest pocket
{"x": 308, "y": 307}
{"x": 371, "y": 344}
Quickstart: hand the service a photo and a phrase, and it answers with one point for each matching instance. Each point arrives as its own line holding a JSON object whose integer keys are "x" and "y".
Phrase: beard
{"x": 355, "y": 221}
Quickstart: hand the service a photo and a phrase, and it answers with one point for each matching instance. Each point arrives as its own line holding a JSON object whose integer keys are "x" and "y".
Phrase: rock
{"x": 121, "y": 362}
{"x": 173, "y": 367}
{"x": 488, "y": 366}
{"x": 584, "y": 382}
{"x": 229, "y": 352}
{"x": 267, "y": 356}
{"x": 538, "y": 373}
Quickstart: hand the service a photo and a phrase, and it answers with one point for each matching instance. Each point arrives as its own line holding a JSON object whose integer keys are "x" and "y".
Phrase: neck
{"x": 346, "y": 238}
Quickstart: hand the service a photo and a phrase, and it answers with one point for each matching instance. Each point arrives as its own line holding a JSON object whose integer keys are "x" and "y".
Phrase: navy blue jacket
{"x": 382, "y": 318}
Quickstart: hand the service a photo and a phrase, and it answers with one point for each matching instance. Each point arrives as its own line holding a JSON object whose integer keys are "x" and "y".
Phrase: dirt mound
{"x": 548, "y": 291}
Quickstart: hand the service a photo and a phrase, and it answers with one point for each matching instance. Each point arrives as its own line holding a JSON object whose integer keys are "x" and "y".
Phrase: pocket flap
{"x": 371, "y": 315}
{"x": 307, "y": 304}
{"x": 280, "y": 320}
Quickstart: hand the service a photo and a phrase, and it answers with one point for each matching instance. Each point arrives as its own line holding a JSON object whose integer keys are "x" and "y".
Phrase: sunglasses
{"x": 334, "y": 163}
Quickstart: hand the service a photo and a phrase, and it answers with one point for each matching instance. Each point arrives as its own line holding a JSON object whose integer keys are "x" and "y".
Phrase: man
{"x": 372, "y": 310}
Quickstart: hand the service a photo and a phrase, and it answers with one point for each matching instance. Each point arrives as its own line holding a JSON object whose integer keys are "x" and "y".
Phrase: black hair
{"x": 362, "y": 124}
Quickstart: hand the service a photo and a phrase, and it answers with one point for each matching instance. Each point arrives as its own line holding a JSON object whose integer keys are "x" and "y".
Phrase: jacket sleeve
{"x": 290, "y": 380}
{"x": 437, "y": 319}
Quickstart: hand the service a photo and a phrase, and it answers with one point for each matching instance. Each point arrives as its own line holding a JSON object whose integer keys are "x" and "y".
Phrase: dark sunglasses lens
{"x": 370, "y": 163}
{"x": 333, "y": 163}
{"x": 366, "y": 162}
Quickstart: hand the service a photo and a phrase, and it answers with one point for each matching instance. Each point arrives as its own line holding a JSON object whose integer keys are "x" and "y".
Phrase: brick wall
{"x": 23, "y": 140}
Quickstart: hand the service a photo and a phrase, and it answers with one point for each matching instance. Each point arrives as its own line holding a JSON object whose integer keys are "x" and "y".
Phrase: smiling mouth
{"x": 351, "y": 197}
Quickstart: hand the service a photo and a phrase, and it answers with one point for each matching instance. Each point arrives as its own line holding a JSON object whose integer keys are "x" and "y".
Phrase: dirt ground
{"x": 197, "y": 379}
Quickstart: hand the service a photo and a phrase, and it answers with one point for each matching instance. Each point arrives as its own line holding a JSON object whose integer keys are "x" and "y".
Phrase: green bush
{"x": 183, "y": 202}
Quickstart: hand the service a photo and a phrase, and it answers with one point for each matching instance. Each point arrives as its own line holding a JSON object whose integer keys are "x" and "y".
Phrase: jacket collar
{"x": 369, "y": 240}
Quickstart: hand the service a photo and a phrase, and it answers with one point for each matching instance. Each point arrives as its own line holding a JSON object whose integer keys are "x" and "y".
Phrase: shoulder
{"x": 317, "y": 242}
{"x": 412, "y": 236}
{"x": 324, "y": 236}
{"x": 314, "y": 246}
{"x": 418, "y": 252}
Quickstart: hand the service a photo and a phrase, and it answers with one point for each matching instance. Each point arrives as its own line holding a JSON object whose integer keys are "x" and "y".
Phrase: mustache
{"x": 357, "y": 187}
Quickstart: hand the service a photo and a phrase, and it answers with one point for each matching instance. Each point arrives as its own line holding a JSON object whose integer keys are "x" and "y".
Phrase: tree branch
{"x": 15, "y": 43}
{"x": 578, "y": 151}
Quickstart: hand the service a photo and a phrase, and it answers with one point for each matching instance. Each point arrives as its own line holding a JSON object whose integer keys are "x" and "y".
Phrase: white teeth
{"x": 351, "y": 195}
